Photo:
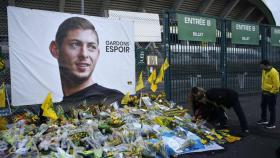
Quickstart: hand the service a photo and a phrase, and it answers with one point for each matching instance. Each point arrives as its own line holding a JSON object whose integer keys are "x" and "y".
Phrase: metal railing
{"x": 214, "y": 64}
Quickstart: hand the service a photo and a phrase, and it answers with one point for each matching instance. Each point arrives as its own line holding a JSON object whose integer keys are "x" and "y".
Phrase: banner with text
{"x": 73, "y": 56}
{"x": 275, "y": 36}
{"x": 196, "y": 28}
{"x": 244, "y": 33}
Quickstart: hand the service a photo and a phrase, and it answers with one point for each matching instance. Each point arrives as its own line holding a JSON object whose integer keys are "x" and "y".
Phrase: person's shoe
{"x": 262, "y": 122}
{"x": 270, "y": 126}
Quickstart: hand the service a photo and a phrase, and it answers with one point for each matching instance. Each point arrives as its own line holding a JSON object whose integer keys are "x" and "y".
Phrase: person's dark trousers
{"x": 270, "y": 101}
{"x": 235, "y": 104}
{"x": 221, "y": 117}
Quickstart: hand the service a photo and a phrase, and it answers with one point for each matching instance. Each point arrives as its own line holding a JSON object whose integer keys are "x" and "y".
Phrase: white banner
{"x": 146, "y": 25}
{"x": 38, "y": 60}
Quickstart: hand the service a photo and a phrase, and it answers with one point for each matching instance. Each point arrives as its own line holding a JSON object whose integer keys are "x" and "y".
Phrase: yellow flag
{"x": 47, "y": 102}
{"x": 2, "y": 64}
{"x": 153, "y": 87}
{"x": 232, "y": 139}
{"x": 140, "y": 83}
{"x": 165, "y": 64}
{"x": 210, "y": 137}
{"x": 2, "y": 96}
{"x": 125, "y": 99}
{"x": 163, "y": 67}
{"x": 216, "y": 134}
{"x": 152, "y": 80}
{"x": 47, "y": 107}
{"x": 203, "y": 141}
{"x": 152, "y": 77}
{"x": 161, "y": 75}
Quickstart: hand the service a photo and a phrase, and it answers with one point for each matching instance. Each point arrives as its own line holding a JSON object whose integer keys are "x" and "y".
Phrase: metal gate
{"x": 272, "y": 53}
{"x": 219, "y": 64}
{"x": 242, "y": 64}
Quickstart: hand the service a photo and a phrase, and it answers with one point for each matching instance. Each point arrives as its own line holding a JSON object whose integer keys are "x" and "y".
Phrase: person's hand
{"x": 193, "y": 119}
{"x": 200, "y": 122}
{"x": 196, "y": 118}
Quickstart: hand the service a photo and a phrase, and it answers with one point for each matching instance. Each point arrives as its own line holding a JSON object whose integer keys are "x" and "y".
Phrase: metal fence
{"x": 192, "y": 63}
{"x": 214, "y": 64}
{"x": 142, "y": 50}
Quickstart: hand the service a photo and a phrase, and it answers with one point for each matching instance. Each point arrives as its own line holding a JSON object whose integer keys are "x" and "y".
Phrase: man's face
{"x": 78, "y": 54}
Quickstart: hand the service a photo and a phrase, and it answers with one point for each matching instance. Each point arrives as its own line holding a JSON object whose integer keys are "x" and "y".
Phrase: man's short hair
{"x": 72, "y": 24}
{"x": 265, "y": 62}
{"x": 196, "y": 90}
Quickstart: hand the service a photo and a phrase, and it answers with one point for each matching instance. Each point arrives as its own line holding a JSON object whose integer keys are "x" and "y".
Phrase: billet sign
{"x": 196, "y": 28}
{"x": 275, "y": 36}
{"x": 244, "y": 33}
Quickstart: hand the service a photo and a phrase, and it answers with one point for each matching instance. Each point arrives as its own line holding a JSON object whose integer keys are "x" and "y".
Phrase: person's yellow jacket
{"x": 270, "y": 81}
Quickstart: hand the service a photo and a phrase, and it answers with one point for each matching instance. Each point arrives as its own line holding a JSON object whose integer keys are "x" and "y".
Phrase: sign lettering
{"x": 196, "y": 28}
{"x": 244, "y": 33}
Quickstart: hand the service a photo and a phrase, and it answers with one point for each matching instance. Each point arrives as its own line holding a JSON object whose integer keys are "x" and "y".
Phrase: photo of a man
{"x": 76, "y": 48}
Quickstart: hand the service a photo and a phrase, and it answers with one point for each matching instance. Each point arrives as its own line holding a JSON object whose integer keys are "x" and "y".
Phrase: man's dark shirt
{"x": 222, "y": 96}
{"x": 205, "y": 111}
{"x": 95, "y": 94}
